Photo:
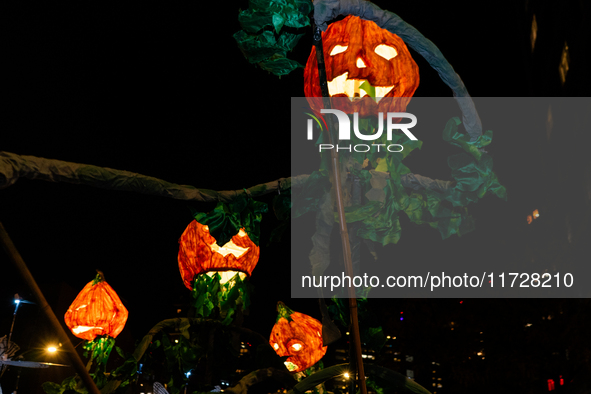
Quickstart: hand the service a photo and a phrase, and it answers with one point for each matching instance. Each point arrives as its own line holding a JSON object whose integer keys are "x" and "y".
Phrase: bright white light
{"x": 17, "y": 301}
{"x": 386, "y": 51}
{"x": 188, "y": 374}
{"x": 52, "y": 349}
{"x": 346, "y": 375}
{"x": 338, "y": 49}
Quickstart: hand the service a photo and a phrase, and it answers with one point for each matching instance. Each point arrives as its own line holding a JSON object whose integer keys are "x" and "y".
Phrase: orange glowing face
{"x": 298, "y": 336}
{"x": 199, "y": 253}
{"x": 362, "y": 60}
{"x": 97, "y": 310}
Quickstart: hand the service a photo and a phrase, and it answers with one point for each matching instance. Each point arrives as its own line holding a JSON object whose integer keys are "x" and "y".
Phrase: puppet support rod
{"x": 336, "y": 175}
{"x": 44, "y": 306}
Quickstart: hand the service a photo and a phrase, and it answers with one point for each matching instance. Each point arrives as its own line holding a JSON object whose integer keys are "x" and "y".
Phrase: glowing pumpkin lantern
{"x": 199, "y": 253}
{"x": 97, "y": 310}
{"x": 298, "y": 336}
{"x": 362, "y": 60}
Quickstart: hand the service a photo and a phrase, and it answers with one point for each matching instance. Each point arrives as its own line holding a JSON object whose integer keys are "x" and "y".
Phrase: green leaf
{"x": 52, "y": 388}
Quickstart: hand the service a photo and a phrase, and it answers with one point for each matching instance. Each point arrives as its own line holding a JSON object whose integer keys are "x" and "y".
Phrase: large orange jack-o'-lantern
{"x": 199, "y": 253}
{"x": 298, "y": 336}
{"x": 362, "y": 60}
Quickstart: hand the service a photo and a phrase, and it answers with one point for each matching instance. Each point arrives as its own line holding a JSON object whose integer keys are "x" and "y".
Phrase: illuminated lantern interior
{"x": 97, "y": 310}
{"x": 200, "y": 254}
{"x": 365, "y": 63}
{"x": 298, "y": 336}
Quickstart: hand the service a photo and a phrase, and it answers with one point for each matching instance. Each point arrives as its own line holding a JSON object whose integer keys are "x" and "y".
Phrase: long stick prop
{"x": 42, "y": 302}
{"x": 336, "y": 174}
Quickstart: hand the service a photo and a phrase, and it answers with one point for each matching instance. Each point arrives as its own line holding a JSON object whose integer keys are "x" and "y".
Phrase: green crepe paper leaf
{"x": 357, "y": 213}
{"x": 253, "y": 21}
{"x": 280, "y": 65}
{"x": 278, "y": 22}
{"x": 257, "y": 48}
{"x": 309, "y": 195}
{"x": 215, "y": 300}
{"x": 262, "y": 40}
{"x": 226, "y": 220}
{"x": 374, "y": 386}
{"x": 451, "y": 135}
{"x": 370, "y": 90}
{"x": 69, "y": 383}
{"x": 120, "y": 352}
{"x": 382, "y": 165}
{"x": 52, "y": 388}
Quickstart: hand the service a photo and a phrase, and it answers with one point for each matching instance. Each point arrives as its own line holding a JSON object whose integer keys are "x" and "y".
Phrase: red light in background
{"x": 550, "y": 384}
{"x": 461, "y": 302}
{"x": 561, "y": 381}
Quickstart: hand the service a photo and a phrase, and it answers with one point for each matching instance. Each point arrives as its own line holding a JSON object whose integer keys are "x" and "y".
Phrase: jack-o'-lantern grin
{"x": 365, "y": 64}
{"x": 355, "y": 89}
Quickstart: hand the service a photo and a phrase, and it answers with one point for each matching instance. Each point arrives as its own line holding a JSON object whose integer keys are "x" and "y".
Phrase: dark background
{"x": 161, "y": 89}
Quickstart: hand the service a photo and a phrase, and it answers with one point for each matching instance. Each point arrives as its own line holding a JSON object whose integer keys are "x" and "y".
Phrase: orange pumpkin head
{"x": 199, "y": 253}
{"x": 97, "y": 310}
{"x": 298, "y": 336}
{"x": 362, "y": 60}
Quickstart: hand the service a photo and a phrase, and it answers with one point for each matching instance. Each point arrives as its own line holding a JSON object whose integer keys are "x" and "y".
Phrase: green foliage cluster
{"x": 213, "y": 299}
{"x": 264, "y": 40}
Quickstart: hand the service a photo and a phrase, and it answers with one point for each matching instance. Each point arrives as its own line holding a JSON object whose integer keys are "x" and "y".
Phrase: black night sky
{"x": 161, "y": 89}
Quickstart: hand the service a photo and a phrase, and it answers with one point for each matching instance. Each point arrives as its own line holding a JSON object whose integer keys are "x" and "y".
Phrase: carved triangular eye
{"x": 338, "y": 49}
{"x": 386, "y": 51}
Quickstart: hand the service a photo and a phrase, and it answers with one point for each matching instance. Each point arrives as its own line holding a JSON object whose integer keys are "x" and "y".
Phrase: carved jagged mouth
{"x": 356, "y": 89}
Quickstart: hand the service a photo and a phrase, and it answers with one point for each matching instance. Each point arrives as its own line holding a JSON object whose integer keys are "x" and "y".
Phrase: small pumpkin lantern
{"x": 199, "y": 253}
{"x": 97, "y": 310}
{"x": 298, "y": 336}
{"x": 362, "y": 60}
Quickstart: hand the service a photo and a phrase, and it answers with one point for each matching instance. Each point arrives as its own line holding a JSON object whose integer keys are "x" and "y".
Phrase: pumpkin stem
{"x": 284, "y": 311}
{"x": 100, "y": 277}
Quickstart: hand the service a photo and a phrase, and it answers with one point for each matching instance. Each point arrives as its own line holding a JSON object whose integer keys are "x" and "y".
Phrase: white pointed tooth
{"x": 350, "y": 87}
{"x": 382, "y": 91}
{"x": 337, "y": 85}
